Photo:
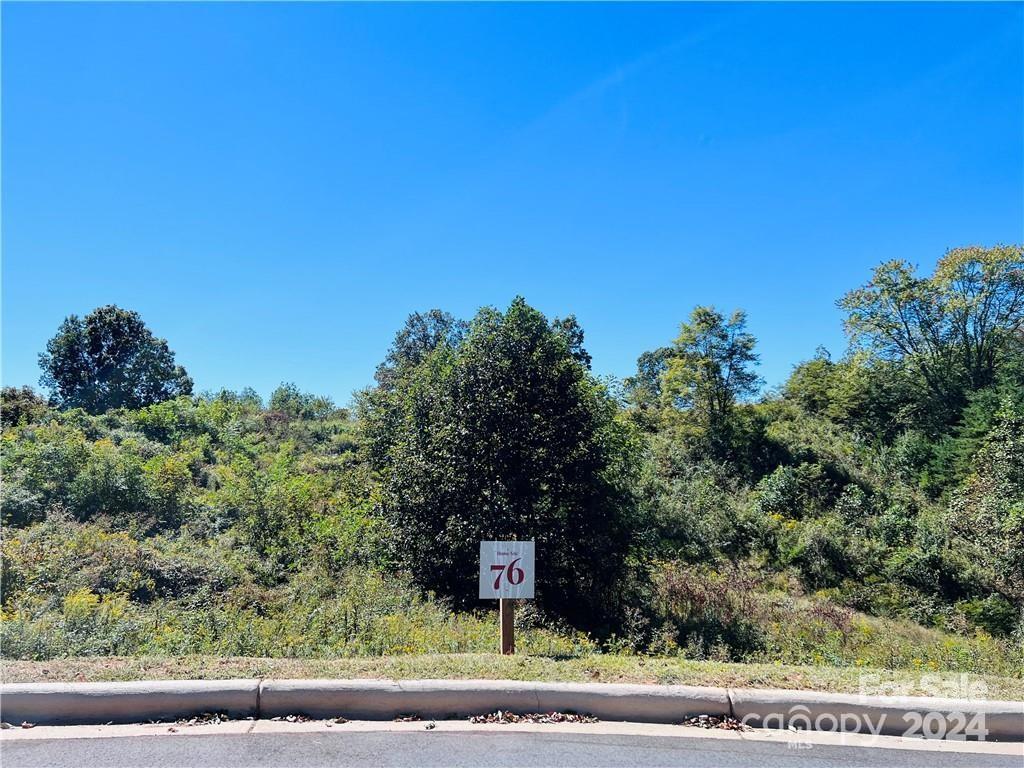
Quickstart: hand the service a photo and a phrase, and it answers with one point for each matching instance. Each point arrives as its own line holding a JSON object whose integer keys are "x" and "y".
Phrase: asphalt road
{"x": 438, "y": 748}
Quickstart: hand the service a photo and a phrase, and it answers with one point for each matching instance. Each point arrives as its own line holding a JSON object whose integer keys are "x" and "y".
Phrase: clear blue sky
{"x": 275, "y": 187}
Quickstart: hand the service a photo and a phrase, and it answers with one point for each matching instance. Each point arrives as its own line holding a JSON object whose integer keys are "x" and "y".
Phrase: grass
{"x": 605, "y": 668}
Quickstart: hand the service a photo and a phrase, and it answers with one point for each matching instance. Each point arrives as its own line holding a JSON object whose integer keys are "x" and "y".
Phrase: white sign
{"x": 506, "y": 569}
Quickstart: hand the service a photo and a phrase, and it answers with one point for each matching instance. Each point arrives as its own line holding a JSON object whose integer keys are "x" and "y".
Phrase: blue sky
{"x": 275, "y": 187}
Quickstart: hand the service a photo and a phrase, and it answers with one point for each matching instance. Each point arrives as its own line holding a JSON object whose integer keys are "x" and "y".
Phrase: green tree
{"x": 421, "y": 334}
{"x": 710, "y": 369}
{"x": 506, "y": 436}
{"x": 953, "y": 329}
{"x": 644, "y": 389}
{"x": 570, "y": 329}
{"x": 110, "y": 359}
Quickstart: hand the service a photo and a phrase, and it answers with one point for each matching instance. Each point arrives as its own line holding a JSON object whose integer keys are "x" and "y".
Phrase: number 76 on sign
{"x": 506, "y": 569}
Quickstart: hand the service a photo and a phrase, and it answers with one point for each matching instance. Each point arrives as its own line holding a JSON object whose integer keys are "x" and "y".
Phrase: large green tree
{"x": 110, "y": 359}
{"x": 693, "y": 387}
{"x": 707, "y": 370}
{"x": 504, "y": 434}
{"x": 953, "y": 329}
{"x": 711, "y": 365}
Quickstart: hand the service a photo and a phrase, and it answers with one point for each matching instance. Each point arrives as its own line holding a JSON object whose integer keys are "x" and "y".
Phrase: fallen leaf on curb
{"x": 5, "y": 725}
{"x": 340, "y": 720}
{"x": 431, "y": 725}
{"x": 724, "y": 723}
{"x": 204, "y": 718}
{"x": 291, "y": 719}
{"x": 407, "y": 718}
{"x": 26, "y": 724}
{"x": 532, "y": 717}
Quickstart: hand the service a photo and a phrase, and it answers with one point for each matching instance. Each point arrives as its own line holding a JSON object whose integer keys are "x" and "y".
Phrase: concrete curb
{"x": 89, "y": 703}
{"x": 635, "y": 703}
{"x": 883, "y": 715}
{"x": 372, "y": 699}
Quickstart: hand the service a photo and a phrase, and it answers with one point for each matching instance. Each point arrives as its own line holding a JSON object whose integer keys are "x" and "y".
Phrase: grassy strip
{"x": 593, "y": 668}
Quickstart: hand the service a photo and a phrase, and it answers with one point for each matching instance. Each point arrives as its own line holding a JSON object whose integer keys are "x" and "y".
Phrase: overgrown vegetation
{"x": 869, "y": 513}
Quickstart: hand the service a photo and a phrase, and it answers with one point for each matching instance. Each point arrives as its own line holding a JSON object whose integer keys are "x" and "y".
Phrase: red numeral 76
{"x": 514, "y": 575}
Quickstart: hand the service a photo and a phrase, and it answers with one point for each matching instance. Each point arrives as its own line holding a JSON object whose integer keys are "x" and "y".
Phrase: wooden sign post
{"x": 507, "y": 614}
{"x": 506, "y": 573}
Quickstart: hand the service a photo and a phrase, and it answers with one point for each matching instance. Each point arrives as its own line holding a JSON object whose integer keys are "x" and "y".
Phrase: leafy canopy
{"x": 110, "y": 359}
{"x": 954, "y": 328}
{"x": 710, "y": 366}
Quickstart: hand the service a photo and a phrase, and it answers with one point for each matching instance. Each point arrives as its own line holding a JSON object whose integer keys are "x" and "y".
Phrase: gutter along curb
{"x": 90, "y": 703}
{"x": 375, "y": 699}
{"x": 136, "y": 702}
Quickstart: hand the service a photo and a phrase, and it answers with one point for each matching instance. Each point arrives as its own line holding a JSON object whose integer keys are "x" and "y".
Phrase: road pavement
{"x": 416, "y": 745}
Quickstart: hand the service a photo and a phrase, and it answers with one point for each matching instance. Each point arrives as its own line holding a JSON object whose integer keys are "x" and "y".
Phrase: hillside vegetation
{"x": 868, "y": 513}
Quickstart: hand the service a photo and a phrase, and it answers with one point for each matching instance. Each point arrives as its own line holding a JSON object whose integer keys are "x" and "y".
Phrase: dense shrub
{"x": 507, "y": 436}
